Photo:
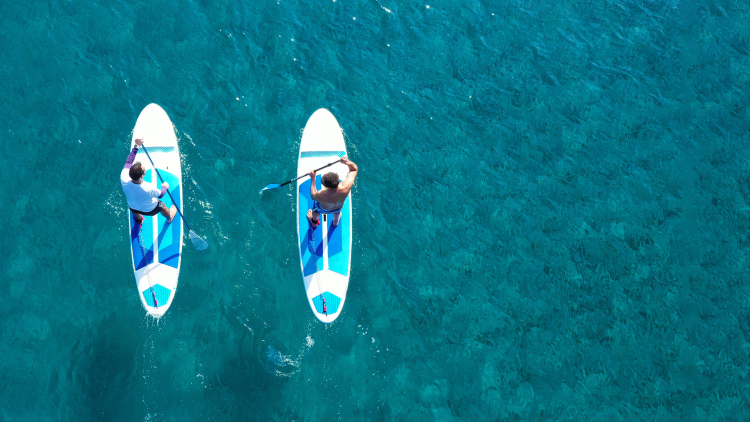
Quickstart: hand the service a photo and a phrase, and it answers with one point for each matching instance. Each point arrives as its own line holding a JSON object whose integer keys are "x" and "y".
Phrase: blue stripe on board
{"x": 332, "y": 303}
{"x": 152, "y": 150}
{"x": 162, "y": 295}
{"x": 148, "y": 236}
{"x": 138, "y": 261}
{"x": 170, "y": 235}
{"x": 315, "y": 154}
{"x": 308, "y": 258}
{"x": 338, "y": 241}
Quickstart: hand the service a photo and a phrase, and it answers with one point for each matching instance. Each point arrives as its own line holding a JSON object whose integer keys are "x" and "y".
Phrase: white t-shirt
{"x": 141, "y": 197}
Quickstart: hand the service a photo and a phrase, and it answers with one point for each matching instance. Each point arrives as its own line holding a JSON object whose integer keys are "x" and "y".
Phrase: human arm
{"x": 353, "y": 170}
{"x": 164, "y": 188}
{"x": 129, "y": 161}
{"x": 157, "y": 193}
{"x": 133, "y": 152}
{"x": 313, "y": 188}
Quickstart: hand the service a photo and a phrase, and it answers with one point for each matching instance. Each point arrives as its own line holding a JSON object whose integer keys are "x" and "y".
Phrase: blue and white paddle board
{"x": 156, "y": 246}
{"x": 325, "y": 252}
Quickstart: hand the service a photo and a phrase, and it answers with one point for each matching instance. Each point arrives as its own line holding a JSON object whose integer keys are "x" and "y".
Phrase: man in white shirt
{"x": 143, "y": 197}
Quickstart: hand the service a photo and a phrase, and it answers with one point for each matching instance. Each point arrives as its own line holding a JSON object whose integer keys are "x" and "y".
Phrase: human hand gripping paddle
{"x": 274, "y": 186}
{"x": 198, "y": 243}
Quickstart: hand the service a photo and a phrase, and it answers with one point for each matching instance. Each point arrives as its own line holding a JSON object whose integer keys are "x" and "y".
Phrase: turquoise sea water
{"x": 550, "y": 223}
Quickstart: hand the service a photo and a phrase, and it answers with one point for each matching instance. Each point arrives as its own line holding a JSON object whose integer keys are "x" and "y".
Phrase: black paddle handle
{"x": 327, "y": 165}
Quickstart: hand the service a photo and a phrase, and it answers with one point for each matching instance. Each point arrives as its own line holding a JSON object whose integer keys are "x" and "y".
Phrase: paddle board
{"x": 156, "y": 247}
{"x": 325, "y": 252}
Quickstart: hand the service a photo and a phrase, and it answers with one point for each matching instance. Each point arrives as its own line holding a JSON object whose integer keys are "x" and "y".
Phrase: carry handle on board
{"x": 198, "y": 243}
{"x": 274, "y": 186}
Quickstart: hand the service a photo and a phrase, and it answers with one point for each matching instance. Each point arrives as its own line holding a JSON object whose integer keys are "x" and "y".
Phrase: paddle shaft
{"x": 327, "y": 165}
{"x": 168, "y": 193}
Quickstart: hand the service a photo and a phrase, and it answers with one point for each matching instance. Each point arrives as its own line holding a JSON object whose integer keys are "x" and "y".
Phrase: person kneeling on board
{"x": 143, "y": 196}
{"x": 330, "y": 199}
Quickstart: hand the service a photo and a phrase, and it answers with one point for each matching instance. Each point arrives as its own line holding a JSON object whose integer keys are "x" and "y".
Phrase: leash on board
{"x": 143, "y": 253}
{"x": 311, "y": 248}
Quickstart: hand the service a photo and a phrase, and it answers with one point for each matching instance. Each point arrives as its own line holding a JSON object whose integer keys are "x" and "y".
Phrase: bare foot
{"x": 336, "y": 219}
{"x": 314, "y": 223}
{"x": 172, "y": 213}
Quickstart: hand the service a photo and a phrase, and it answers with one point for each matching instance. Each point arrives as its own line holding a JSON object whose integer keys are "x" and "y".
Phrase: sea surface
{"x": 550, "y": 222}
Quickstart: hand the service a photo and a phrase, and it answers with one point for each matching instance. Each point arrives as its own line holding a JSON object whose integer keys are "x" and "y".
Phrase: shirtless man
{"x": 330, "y": 199}
{"x": 143, "y": 197}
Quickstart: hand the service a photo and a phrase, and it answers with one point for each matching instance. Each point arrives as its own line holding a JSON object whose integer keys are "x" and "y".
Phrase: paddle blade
{"x": 271, "y": 186}
{"x": 198, "y": 243}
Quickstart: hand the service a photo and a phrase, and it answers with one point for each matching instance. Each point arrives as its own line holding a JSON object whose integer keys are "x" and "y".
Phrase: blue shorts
{"x": 320, "y": 210}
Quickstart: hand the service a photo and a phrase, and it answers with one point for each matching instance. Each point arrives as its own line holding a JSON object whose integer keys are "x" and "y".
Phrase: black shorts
{"x": 160, "y": 206}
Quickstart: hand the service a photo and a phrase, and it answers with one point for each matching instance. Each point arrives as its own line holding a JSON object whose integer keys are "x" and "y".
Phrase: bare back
{"x": 332, "y": 199}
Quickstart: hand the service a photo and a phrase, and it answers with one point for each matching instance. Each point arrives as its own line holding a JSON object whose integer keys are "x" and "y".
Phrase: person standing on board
{"x": 143, "y": 197}
{"x": 330, "y": 199}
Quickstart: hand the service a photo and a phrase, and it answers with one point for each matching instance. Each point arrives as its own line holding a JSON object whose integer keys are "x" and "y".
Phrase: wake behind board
{"x": 325, "y": 252}
{"x": 156, "y": 247}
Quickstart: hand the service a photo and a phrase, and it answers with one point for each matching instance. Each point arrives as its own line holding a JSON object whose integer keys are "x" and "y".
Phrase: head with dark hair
{"x": 136, "y": 171}
{"x": 330, "y": 180}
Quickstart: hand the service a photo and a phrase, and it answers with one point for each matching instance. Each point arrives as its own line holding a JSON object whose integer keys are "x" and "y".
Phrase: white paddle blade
{"x": 198, "y": 243}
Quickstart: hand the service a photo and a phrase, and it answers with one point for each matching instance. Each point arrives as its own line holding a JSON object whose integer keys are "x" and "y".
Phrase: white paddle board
{"x": 156, "y": 246}
{"x": 325, "y": 252}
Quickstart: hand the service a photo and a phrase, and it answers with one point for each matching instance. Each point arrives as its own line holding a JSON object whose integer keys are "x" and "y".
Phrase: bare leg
{"x": 336, "y": 218}
{"x": 138, "y": 218}
{"x": 313, "y": 217}
{"x": 169, "y": 215}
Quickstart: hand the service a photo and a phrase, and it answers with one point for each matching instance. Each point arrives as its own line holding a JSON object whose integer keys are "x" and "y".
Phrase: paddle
{"x": 198, "y": 243}
{"x": 274, "y": 186}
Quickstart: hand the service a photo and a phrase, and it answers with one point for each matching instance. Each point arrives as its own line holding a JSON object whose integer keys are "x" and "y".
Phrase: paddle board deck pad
{"x": 325, "y": 252}
{"x": 156, "y": 246}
